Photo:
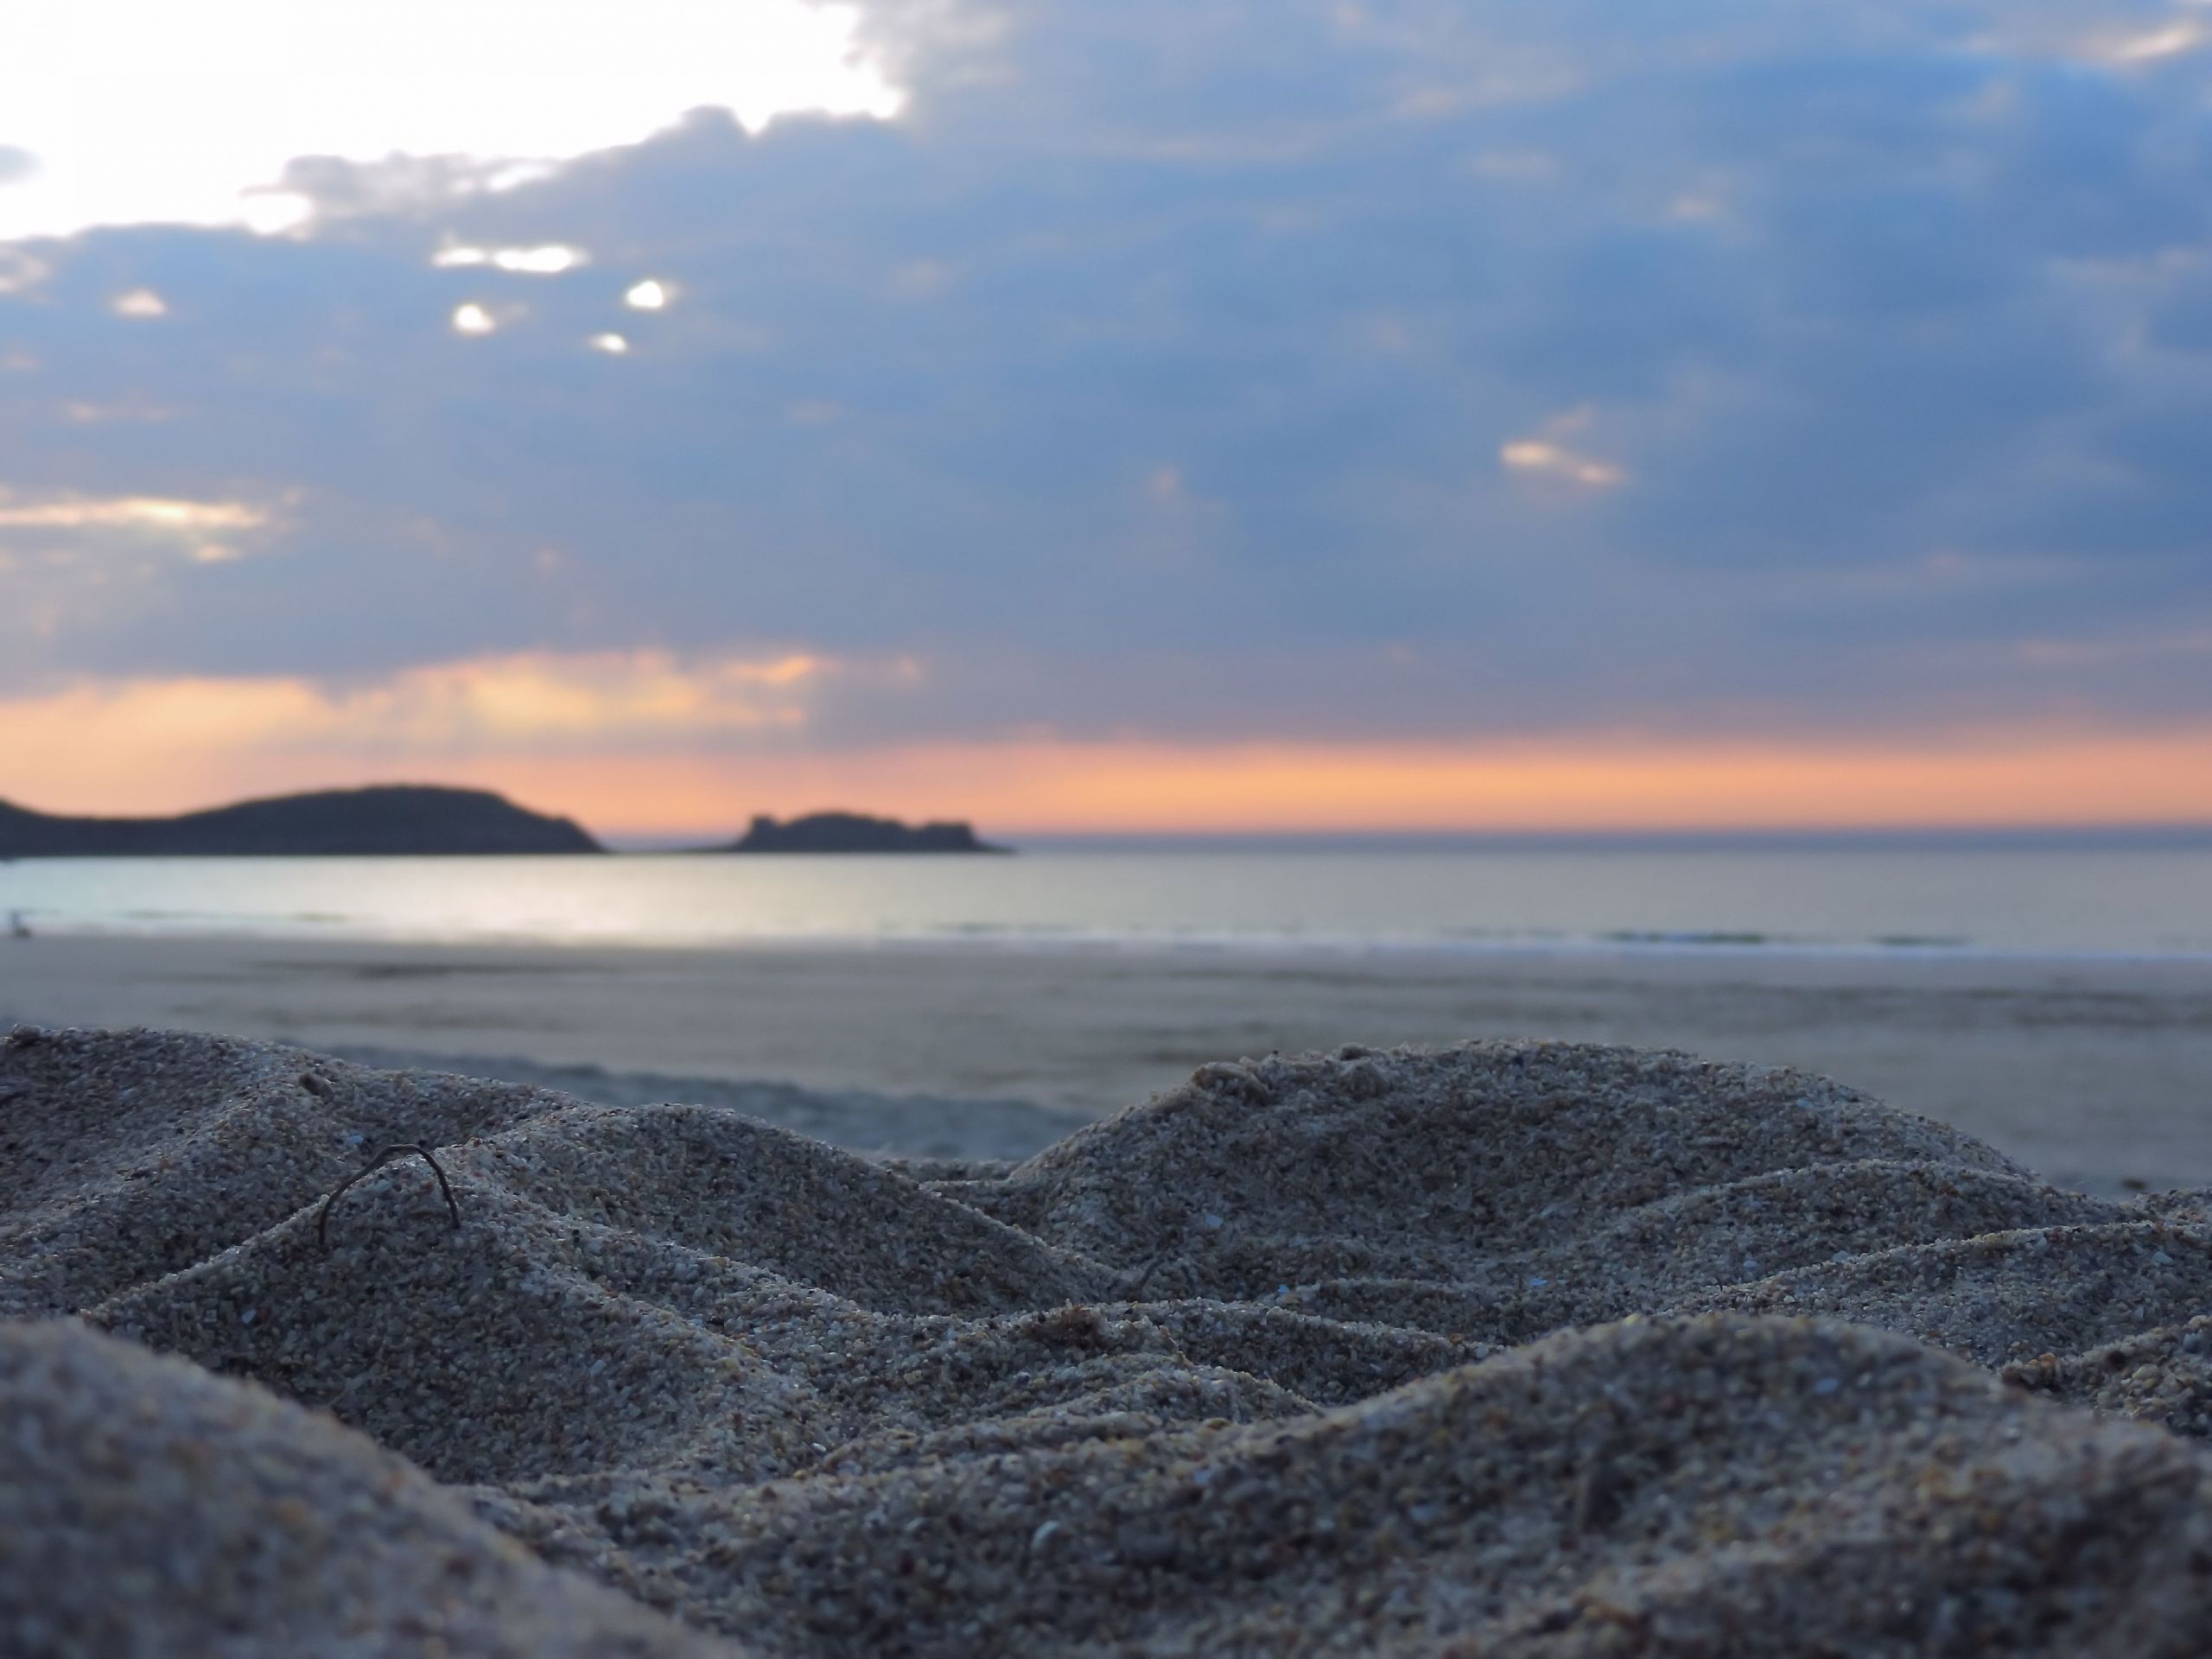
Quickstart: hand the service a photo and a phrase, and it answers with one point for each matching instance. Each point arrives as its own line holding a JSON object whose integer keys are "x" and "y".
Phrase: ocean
{"x": 2146, "y": 900}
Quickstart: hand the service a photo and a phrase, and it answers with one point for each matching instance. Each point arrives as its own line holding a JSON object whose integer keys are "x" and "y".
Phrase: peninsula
{"x": 399, "y": 819}
{"x": 855, "y": 832}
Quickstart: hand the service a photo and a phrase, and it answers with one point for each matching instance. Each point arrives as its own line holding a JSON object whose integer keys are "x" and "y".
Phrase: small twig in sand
{"x": 1135, "y": 1291}
{"x": 322, "y": 1216}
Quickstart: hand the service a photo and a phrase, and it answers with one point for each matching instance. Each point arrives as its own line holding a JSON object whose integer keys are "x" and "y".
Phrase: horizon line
{"x": 2147, "y": 832}
{"x": 2151, "y": 833}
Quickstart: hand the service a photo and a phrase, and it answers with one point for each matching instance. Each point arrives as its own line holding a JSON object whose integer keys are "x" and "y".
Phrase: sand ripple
{"x": 1501, "y": 1349}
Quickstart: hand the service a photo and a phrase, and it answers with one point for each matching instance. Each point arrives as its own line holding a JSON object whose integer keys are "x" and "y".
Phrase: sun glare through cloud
{"x": 134, "y": 112}
{"x": 129, "y": 512}
{"x": 535, "y": 262}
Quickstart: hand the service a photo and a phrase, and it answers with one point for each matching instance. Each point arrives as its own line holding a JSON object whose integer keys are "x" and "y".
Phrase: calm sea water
{"x": 2134, "y": 901}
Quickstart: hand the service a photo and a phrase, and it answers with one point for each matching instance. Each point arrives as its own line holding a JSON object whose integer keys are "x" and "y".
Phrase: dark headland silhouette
{"x": 856, "y": 832}
{"x": 391, "y": 818}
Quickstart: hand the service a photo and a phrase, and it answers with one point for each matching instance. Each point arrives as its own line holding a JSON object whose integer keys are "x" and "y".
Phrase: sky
{"x": 1174, "y": 415}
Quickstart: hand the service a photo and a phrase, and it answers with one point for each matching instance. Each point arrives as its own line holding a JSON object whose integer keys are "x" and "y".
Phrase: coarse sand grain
{"x": 1510, "y": 1348}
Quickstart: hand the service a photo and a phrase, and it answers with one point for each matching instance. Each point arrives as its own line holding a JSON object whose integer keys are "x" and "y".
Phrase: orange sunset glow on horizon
{"x": 1571, "y": 785}
{"x": 625, "y": 744}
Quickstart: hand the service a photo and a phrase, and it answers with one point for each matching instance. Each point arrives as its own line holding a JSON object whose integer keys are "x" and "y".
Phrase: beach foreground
{"x": 1502, "y": 1348}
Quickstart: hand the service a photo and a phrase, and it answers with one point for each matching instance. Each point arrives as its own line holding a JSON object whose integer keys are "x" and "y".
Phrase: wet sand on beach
{"x": 2095, "y": 1072}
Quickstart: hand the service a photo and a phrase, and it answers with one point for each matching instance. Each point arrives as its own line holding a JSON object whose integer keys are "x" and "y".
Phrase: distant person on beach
{"x": 17, "y": 927}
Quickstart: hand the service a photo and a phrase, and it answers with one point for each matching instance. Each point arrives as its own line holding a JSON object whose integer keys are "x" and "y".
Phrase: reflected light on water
{"x": 648, "y": 295}
{"x": 1713, "y": 902}
{"x": 473, "y": 320}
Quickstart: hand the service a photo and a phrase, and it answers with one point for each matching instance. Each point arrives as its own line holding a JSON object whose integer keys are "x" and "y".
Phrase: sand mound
{"x": 1311, "y": 1354}
{"x": 151, "y": 1509}
{"x": 121, "y": 1161}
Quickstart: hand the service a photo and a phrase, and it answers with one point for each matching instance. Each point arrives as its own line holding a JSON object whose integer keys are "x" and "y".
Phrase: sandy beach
{"x": 1520, "y": 1349}
{"x": 945, "y": 1301}
{"x": 2096, "y": 1073}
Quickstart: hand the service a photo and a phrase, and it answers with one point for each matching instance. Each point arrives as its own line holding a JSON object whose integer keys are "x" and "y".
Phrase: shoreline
{"x": 1577, "y": 949}
{"x": 2092, "y": 1071}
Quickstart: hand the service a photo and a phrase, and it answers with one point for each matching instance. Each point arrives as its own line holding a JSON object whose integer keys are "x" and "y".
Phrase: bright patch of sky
{"x": 549, "y": 261}
{"x": 139, "y": 512}
{"x": 134, "y": 112}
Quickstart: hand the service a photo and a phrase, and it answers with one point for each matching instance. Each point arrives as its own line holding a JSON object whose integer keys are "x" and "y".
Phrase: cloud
{"x": 129, "y": 512}
{"x": 1180, "y": 370}
{"x": 45, "y": 538}
{"x": 539, "y": 700}
{"x": 1547, "y": 456}
{"x": 1538, "y": 455}
{"x": 528, "y": 704}
{"x": 20, "y": 273}
{"x": 547, "y": 261}
{"x": 237, "y": 89}
{"x": 2172, "y": 40}
{"x": 2074, "y": 653}
{"x": 16, "y": 165}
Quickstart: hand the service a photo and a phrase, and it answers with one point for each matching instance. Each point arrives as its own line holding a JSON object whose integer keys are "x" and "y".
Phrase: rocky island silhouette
{"x": 857, "y": 832}
{"x": 388, "y": 819}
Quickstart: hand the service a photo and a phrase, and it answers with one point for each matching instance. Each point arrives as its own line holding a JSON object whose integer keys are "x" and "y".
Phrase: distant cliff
{"x": 392, "y": 819}
{"x": 853, "y": 832}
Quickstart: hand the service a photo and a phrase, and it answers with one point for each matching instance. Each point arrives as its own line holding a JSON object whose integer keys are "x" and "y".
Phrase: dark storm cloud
{"x": 1156, "y": 373}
